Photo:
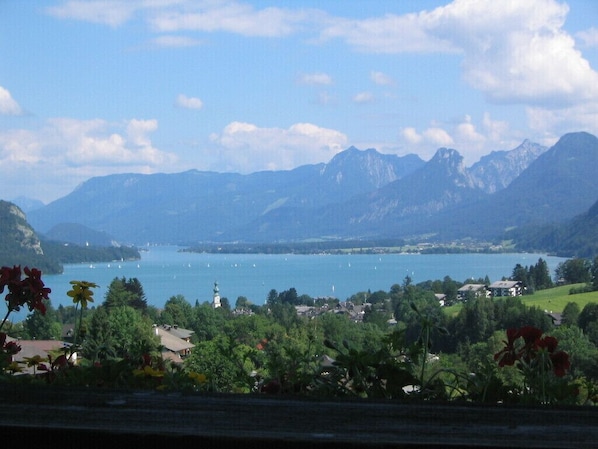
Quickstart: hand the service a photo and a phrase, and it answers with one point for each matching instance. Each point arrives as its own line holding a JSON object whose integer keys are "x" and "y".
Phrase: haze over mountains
{"x": 357, "y": 194}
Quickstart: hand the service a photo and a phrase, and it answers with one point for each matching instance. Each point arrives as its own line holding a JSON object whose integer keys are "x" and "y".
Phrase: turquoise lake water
{"x": 165, "y": 272}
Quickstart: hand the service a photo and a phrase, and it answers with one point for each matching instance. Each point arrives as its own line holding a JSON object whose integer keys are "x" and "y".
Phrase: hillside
{"x": 577, "y": 237}
{"x": 21, "y": 245}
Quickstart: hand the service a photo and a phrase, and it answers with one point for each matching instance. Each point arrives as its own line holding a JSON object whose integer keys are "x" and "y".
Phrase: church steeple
{"x": 216, "y": 300}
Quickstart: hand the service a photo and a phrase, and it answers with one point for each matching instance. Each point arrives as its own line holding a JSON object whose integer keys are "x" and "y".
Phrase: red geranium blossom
{"x": 528, "y": 353}
{"x": 30, "y": 290}
{"x": 508, "y": 355}
{"x": 560, "y": 363}
{"x": 549, "y": 343}
{"x": 530, "y": 335}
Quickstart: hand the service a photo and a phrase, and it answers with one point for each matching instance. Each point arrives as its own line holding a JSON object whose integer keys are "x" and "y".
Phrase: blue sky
{"x": 90, "y": 88}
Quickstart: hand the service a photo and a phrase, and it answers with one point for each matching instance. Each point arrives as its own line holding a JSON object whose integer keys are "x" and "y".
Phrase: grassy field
{"x": 551, "y": 300}
{"x": 555, "y": 299}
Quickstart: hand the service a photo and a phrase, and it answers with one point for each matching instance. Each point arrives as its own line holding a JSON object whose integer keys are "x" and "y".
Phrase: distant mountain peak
{"x": 498, "y": 169}
{"x": 370, "y": 166}
{"x": 447, "y": 154}
{"x": 577, "y": 138}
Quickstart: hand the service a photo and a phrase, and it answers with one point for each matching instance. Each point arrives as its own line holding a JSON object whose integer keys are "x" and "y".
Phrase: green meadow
{"x": 551, "y": 300}
{"x": 555, "y": 299}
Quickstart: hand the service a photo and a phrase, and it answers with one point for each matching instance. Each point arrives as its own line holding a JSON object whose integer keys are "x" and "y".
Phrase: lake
{"x": 165, "y": 272}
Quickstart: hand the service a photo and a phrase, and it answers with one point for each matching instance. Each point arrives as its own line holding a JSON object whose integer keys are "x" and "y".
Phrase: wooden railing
{"x": 87, "y": 418}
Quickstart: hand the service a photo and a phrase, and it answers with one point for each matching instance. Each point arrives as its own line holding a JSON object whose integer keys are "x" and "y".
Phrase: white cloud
{"x": 170, "y": 41}
{"x": 438, "y": 136}
{"x": 466, "y": 131}
{"x": 316, "y": 79}
{"x": 187, "y": 15}
{"x": 411, "y": 136}
{"x": 68, "y": 151}
{"x": 363, "y": 97}
{"x": 589, "y": 37}
{"x": 514, "y": 52}
{"x": 388, "y": 34}
{"x": 381, "y": 79}
{"x": 8, "y": 106}
{"x": 495, "y": 130}
{"x": 555, "y": 123}
{"x": 230, "y": 16}
{"x": 470, "y": 140}
{"x": 108, "y": 12}
{"x": 188, "y": 102}
{"x": 245, "y": 147}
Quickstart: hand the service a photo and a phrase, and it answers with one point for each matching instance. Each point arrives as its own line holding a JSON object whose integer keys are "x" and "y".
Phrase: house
{"x": 175, "y": 341}
{"x": 506, "y": 288}
{"x": 441, "y": 297}
{"x": 477, "y": 290}
{"x": 556, "y": 317}
{"x": 42, "y": 348}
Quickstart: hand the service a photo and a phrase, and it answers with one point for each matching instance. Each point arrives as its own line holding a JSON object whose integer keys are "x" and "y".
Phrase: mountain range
{"x": 358, "y": 194}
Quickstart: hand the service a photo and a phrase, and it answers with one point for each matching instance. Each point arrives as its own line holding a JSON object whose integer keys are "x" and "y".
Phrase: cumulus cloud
{"x": 470, "y": 139}
{"x": 553, "y": 123}
{"x": 108, "y": 12}
{"x": 171, "y": 16}
{"x": 363, "y": 97}
{"x": 183, "y": 101}
{"x": 589, "y": 37}
{"x": 8, "y": 106}
{"x": 322, "y": 79}
{"x": 69, "y": 151}
{"x": 245, "y": 147}
{"x": 514, "y": 52}
{"x": 389, "y": 34}
{"x": 230, "y": 16}
{"x": 170, "y": 41}
{"x": 381, "y": 78}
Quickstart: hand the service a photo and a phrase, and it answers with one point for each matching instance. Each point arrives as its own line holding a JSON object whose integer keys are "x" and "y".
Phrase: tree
{"x": 570, "y": 314}
{"x": 574, "y": 271}
{"x": 378, "y": 297}
{"x": 123, "y": 292}
{"x": 119, "y": 332}
{"x": 540, "y": 274}
{"x": 242, "y": 303}
{"x": 588, "y": 315}
{"x": 450, "y": 289}
{"x": 177, "y": 311}
{"x": 40, "y": 326}
{"x": 582, "y": 352}
{"x": 207, "y": 322}
{"x": 476, "y": 321}
{"x": 594, "y": 273}
{"x": 226, "y": 364}
{"x": 520, "y": 274}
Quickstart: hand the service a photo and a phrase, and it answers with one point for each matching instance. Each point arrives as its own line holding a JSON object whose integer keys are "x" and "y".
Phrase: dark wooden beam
{"x": 89, "y": 418}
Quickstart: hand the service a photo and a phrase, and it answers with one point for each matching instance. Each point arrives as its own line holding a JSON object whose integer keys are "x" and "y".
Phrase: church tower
{"x": 216, "y": 300}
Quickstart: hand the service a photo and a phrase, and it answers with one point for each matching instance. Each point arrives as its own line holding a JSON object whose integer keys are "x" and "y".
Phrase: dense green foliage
{"x": 66, "y": 253}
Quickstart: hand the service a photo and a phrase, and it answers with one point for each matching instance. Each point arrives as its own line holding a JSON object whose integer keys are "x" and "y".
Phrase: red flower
{"x": 12, "y": 347}
{"x": 508, "y": 355}
{"x": 549, "y": 343}
{"x": 530, "y": 335}
{"x": 30, "y": 290}
{"x": 560, "y": 363}
{"x": 9, "y": 277}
